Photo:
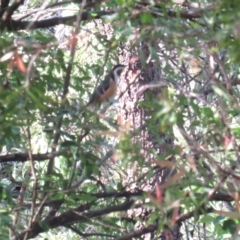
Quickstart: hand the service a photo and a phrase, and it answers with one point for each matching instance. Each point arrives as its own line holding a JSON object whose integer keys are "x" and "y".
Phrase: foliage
{"x": 65, "y": 166}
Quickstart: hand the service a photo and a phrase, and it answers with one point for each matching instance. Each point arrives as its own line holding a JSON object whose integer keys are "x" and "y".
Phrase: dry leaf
{"x": 72, "y": 40}
{"x": 19, "y": 63}
{"x": 159, "y": 193}
{"x": 119, "y": 120}
{"x": 175, "y": 214}
{"x": 236, "y": 198}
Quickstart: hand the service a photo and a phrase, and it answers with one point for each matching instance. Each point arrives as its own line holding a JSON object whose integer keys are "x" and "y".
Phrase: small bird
{"x": 108, "y": 87}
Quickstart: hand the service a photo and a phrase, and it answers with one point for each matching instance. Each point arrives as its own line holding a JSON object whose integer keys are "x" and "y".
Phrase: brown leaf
{"x": 159, "y": 193}
{"x": 228, "y": 140}
{"x": 175, "y": 214}
{"x": 119, "y": 120}
{"x": 236, "y": 198}
{"x": 19, "y": 63}
{"x": 72, "y": 40}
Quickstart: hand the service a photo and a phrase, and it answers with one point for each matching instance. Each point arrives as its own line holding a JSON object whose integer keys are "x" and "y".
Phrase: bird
{"x": 108, "y": 87}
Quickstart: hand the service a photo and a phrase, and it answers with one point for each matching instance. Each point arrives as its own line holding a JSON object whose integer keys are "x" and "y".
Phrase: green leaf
{"x": 94, "y": 14}
{"x": 153, "y": 217}
{"x": 146, "y": 18}
{"x": 230, "y": 225}
{"x": 68, "y": 143}
{"x": 207, "y": 219}
{"x": 83, "y": 197}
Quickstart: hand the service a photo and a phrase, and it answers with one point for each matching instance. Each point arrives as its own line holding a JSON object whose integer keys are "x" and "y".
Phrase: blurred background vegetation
{"x": 162, "y": 162}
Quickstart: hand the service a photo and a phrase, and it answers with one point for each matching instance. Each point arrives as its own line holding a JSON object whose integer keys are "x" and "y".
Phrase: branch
{"x": 138, "y": 233}
{"x": 72, "y": 216}
{"x": 126, "y": 194}
{"x": 85, "y": 235}
{"x": 88, "y": 5}
{"x": 4, "y": 5}
{"x": 153, "y": 227}
{"x": 185, "y": 14}
{"x": 14, "y": 25}
{"x": 190, "y": 15}
{"x": 222, "y": 197}
{"x": 53, "y": 204}
{"x": 57, "y": 203}
{"x": 188, "y": 215}
{"x": 234, "y": 82}
{"x": 10, "y": 10}
{"x": 23, "y": 157}
{"x": 56, "y": 135}
{"x": 50, "y": 6}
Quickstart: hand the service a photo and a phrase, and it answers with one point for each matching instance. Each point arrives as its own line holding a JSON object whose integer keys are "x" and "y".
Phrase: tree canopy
{"x": 162, "y": 160}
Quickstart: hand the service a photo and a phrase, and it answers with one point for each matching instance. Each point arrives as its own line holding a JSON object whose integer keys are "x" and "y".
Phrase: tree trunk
{"x": 136, "y": 84}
